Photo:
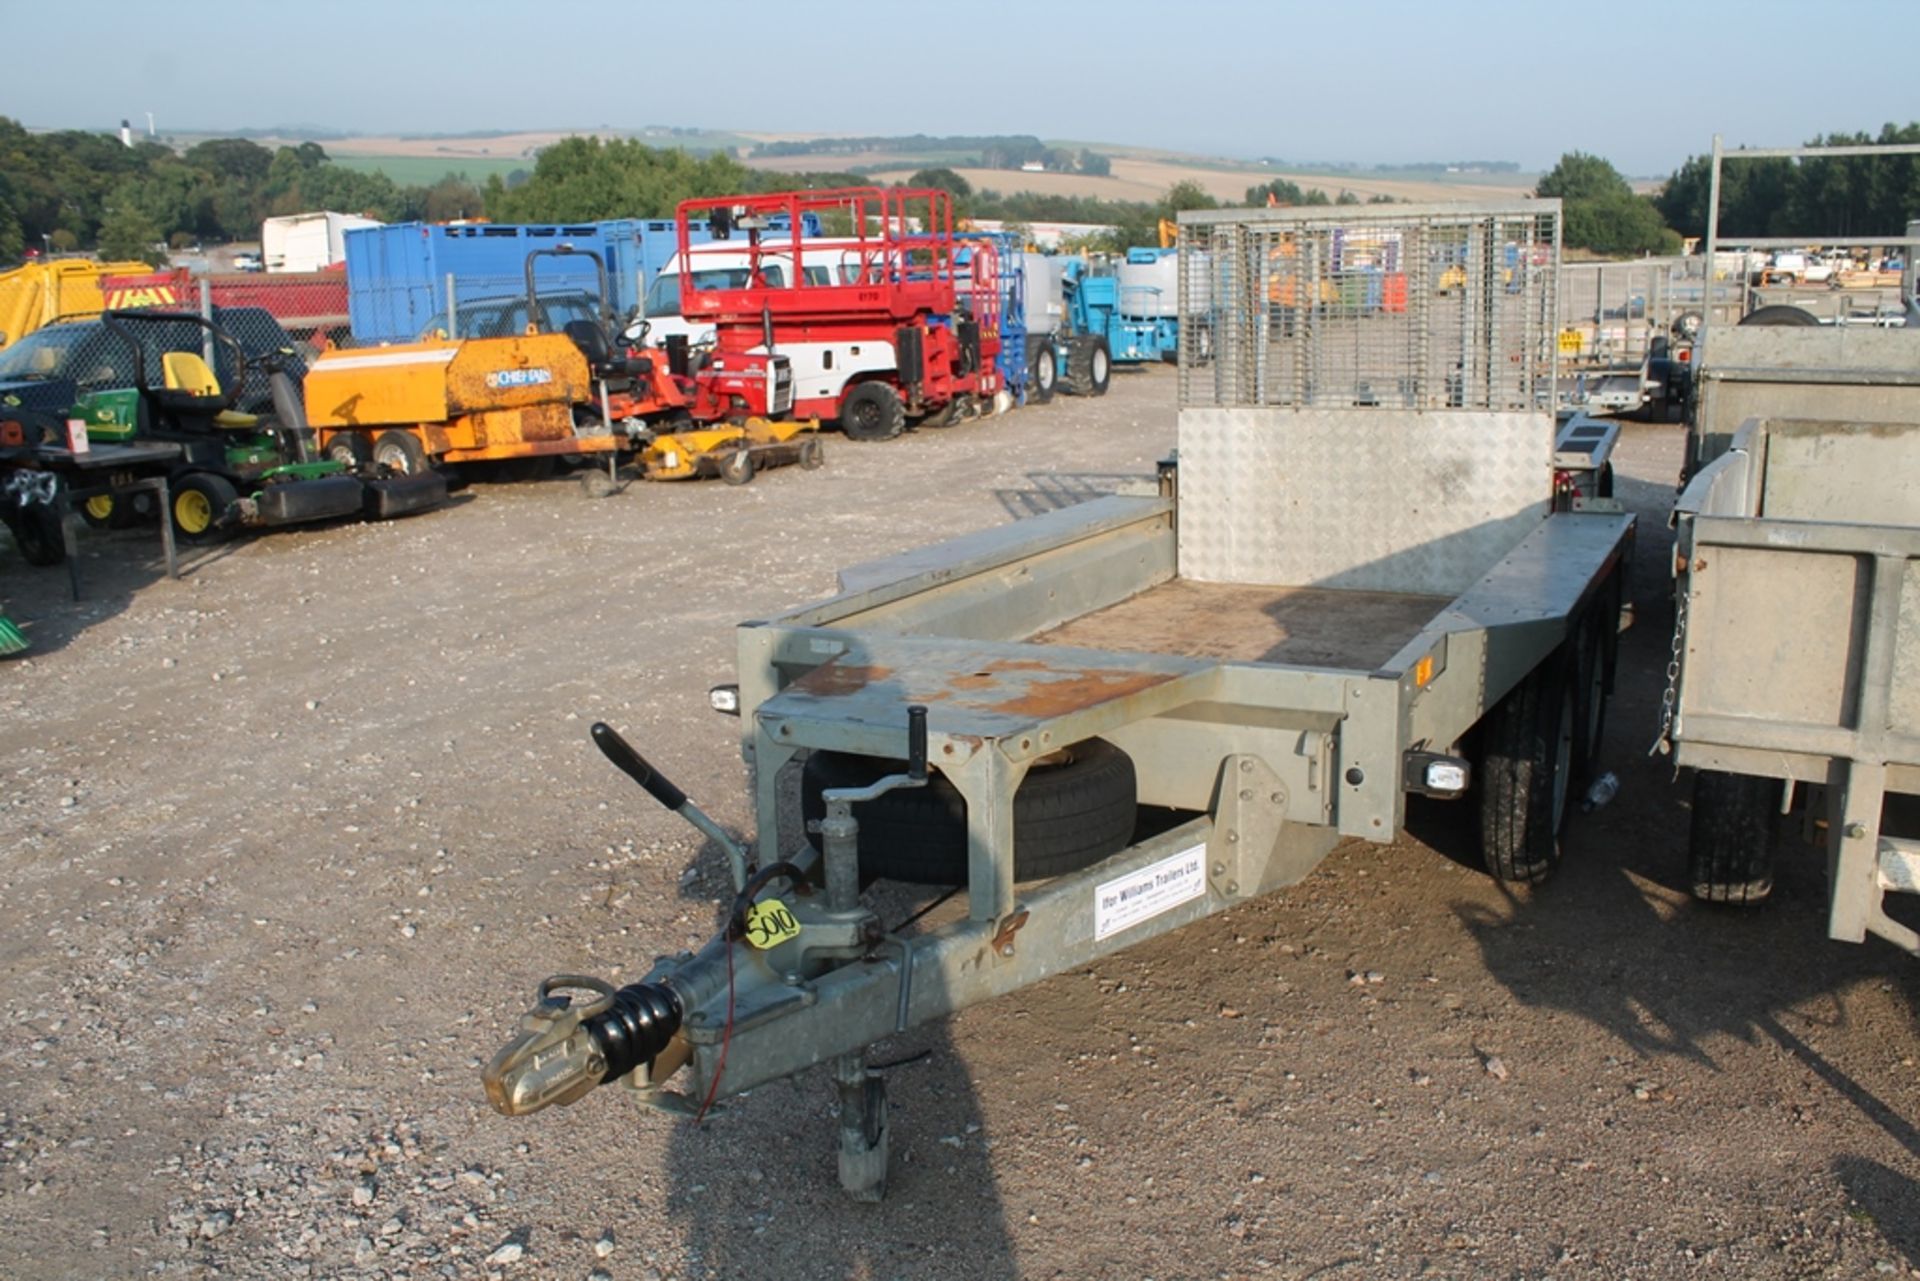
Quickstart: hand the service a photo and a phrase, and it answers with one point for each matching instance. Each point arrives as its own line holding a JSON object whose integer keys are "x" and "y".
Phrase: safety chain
{"x": 1664, "y": 744}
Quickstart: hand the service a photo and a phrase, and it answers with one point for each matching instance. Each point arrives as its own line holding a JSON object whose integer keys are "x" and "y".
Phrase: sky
{"x": 1361, "y": 81}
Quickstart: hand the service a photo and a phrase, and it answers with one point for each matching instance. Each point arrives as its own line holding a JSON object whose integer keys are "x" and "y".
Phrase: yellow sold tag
{"x": 1571, "y": 341}
{"x": 770, "y": 924}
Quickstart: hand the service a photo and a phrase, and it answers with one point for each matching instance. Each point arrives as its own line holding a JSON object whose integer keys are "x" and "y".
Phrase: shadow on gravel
{"x": 1885, "y": 1196}
{"x": 1052, "y": 491}
{"x": 941, "y": 1217}
{"x": 114, "y": 566}
{"x": 1614, "y": 936}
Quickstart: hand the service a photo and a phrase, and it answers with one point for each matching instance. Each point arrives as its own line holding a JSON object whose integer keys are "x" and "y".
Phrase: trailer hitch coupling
{"x": 563, "y": 1050}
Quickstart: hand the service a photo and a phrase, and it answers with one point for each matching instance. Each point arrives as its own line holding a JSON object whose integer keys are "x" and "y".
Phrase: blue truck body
{"x": 397, "y": 274}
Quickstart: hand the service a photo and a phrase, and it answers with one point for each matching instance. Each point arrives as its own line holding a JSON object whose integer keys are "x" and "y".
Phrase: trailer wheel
{"x": 1594, "y": 669}
{"x": 1780, "y": 314}
{"x": 872, "y": 411}
{"x": 36, "y": 532}
{"x": 351, "y": 449}
{"x": 201, "y": 501}
{"x": 1730, "y": 847}
{"x": 401, "y": 453}
{"x": 812, "y": 455}
{"x": 1072, "y": 810}
{"x": 1526, "y": 770}
{"x": 1042, "y": 371}
{"x": 737, "y": 467}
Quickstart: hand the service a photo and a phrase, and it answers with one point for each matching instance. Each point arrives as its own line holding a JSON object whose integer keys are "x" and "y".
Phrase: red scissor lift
{"x": 868, "y": 323}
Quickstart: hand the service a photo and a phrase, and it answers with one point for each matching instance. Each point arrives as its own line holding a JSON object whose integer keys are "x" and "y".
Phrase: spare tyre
{"x": 1075, "y": 807}
{"x": 1777, "y": 315}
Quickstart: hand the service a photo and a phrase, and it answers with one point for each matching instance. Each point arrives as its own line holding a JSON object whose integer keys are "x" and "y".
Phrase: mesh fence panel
{"x": 1414, "y": 307}
{"x": 96, "y": 358}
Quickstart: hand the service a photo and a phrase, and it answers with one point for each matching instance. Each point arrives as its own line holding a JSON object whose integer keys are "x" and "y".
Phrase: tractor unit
{"x": 870, "y": 325}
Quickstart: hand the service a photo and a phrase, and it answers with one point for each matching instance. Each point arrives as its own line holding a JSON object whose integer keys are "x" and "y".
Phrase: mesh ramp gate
{"x": 1366, "y": 394}
{"x": 1395, "y": 306}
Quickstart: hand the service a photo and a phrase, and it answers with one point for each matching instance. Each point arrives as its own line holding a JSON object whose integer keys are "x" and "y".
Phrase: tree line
{"x": 1854, "y": 195}
{"x": 74, "y": 190}
{"x": 78, "y": 190}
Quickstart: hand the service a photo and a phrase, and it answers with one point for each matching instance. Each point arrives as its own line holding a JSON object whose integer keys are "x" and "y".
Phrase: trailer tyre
{"x": 1593, "y": 675}
{"x": 1730, "y": 848}
{"x": 872, "y": 411}
{"x": 737, "y": 467}
{"x": 1780, "y": 314}
{"x": 1527, "y": 751}
{"x": 401, "y": 453}
{"x": 1069, "y": 813}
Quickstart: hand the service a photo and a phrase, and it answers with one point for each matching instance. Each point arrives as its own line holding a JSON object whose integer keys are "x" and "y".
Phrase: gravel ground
{"x": 288, "y": 843}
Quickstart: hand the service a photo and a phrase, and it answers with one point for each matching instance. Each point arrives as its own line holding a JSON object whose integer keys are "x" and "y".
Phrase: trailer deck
{"x": 1252, "y": 623}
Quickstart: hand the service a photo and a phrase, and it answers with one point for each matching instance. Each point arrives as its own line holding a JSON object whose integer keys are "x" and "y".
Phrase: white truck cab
{"x": 724, "y": 265}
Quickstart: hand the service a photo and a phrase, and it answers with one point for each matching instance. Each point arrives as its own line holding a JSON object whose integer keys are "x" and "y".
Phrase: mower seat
{"x": 193, "y": 390}
{"x": 591, "y": 339}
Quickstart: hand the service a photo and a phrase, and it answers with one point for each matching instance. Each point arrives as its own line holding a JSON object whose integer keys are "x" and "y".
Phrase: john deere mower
{"x": 237, "y": 469}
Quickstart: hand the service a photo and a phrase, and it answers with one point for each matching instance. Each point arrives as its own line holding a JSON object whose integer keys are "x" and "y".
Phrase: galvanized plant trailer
{"x": 1796, "y": 670}
{"x": 1797, "y": 656}
{"x": 1376, "y": 569}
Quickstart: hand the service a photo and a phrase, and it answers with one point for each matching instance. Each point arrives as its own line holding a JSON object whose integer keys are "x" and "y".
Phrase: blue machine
{"x": 1100, "y": 307}
{"x": 1012, "y": 359}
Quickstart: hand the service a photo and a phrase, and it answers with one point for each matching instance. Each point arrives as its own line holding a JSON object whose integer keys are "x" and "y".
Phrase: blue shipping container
{"x": 397, "y": 274}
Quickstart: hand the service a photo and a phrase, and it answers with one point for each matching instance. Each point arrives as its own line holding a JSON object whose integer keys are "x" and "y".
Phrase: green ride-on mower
{"x": 233, "y": 469}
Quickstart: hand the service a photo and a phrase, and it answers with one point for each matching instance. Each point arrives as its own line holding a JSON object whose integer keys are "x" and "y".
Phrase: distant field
{"x": 1148, "y": 180}
{"x": 1139, "y": 173}
{"x": 422, "y": 160}
{"x": 865, "y": 161}
{"x": 1145, "y": 174}
{"x": 424, "y": 171}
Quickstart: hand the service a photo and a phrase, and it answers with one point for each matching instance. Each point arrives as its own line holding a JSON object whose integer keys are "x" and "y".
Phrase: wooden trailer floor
{"x": 1300, "y": 626}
